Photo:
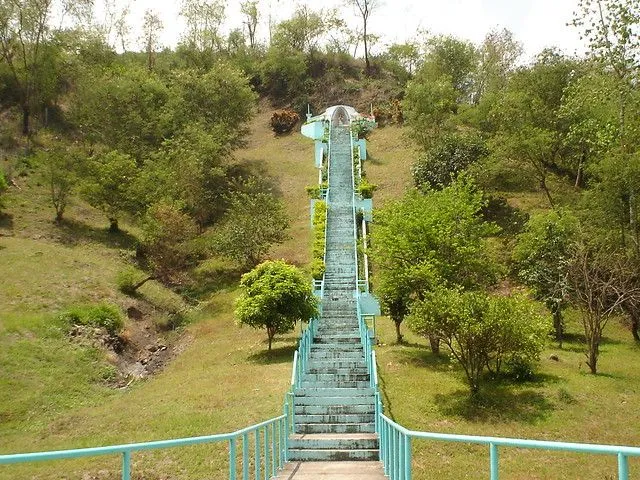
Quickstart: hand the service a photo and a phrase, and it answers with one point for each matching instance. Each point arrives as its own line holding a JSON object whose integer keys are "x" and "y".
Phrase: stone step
{"x": 334, "y": 409}
{"x": 336, "y": 339}
{"x": 326, "y": 455}
{"x": 334, "y": 441}
{"x": 338, "y": 372}
{"x": 337, "y": 418}
{"x": 330, "y": 384}
{"x": 332, "y": 354}
{"x": 336, "y": 377}
{"x": 334, "y": 427}
{"x": 334, "y": 392}
{"x": 333, "y": 400}
{"x": 336, "y": 366}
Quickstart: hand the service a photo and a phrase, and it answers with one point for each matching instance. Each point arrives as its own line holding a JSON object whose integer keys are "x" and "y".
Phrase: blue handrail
{"x": 270, "y": 452}
{"x": 395, "y": 448}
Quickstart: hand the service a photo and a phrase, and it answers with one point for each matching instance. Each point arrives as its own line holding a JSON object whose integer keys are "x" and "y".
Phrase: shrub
{"x": 366, "y": 189}
{"x": 361, "y": 128}
{"x": 450, "y": 155}
{"x": 3, "y": 187}
{"x": 128, "y": 280}
{"x": 105, "y": 315}
{"x": 319, "y": 226}
{"x": 283, "y": 121}
{"x": 314, "y": 191}
{"x": 317, "y": 268}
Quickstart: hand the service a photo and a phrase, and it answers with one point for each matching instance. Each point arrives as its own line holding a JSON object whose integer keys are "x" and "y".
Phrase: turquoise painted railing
{"x": 395, "y": 448}
{"x": 262, "y": 448}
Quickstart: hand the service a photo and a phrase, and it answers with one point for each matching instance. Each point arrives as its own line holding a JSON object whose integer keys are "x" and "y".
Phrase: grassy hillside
{"x": 54, "y": 393}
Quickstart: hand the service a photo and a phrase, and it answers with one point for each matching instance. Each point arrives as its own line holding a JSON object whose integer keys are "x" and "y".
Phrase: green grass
{"x": 565, "y": 403}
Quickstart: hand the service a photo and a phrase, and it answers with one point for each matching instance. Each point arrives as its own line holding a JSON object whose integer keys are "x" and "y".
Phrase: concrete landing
{"x": 332, "y": 470}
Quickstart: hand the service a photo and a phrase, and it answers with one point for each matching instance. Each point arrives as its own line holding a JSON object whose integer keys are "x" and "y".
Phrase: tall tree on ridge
{"x": 366, "y": 7}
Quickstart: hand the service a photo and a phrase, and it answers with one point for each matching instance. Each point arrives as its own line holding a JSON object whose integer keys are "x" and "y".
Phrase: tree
{"x": 249, "y": 8}
{"x": 498, "y": 54}
{"x": 481, "y": 331}
{"x": 151, "y": 29}
{"x": 274, "y": 296}
{"x": 254, "y": 222}
{"x": 366, "y": 8}
{"x": 123, "y": 108}
{"x": 601, "y": 281}
{"x": 26, "y": 46}
{"x": 59, "y": 166}
{"x": 406, "y": 54}
{"x": 108, "y": 180}
{"x": 425, "y": 241}
{"x": 202, "y": 38}
{"x": 542, "y": 256}
{"x": 301, "y": 32}
{"x": 428, "y": 106}
{"x": 451, "y": 58}
{"x": 450, "y": 155}
{"x": 167, "y": 242}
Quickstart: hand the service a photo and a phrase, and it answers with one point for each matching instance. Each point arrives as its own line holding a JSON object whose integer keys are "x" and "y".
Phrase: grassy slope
{"x": 51, "y": 394}
{"x": 211, "y": 387}
{"x": 426, "y": 392}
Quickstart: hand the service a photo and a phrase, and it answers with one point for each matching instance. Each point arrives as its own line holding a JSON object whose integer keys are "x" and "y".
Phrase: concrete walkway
{"x": 334, "y": 470}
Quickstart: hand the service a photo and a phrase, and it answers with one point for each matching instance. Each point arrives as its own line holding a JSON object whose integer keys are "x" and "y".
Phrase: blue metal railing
{"x": 395, "y": 448}
{"x": 267, "y": 450}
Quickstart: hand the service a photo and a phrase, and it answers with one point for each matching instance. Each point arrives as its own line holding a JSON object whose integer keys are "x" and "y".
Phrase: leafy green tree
{"x": 430, "y": 240}
{"x": 451, "y": 58}
{"x": 301, "y": 32}
{"x": 125, "y": 108}
{"x": 220, "y": 99}
{"x": 406, "y": 54}
{"x": 428, "y": 106}
{"x": 202, "y": 38}
{"x": 274, "y": 296}
{"x": 542, "y": 256}
{"x": 592, "y": 126}
{"x": 450, "y": 155}
{"x": 498, "y": 55}
{"x": 167, "y": 243}
{"x": 254, "y": 222}
{"x": 481, "y": 331}
{"x": 284, "y": 72}
{"x": 59, "y": 166}
{"x": 26, "y": 47}
{"x": 107, "y": 186}
{"x": 190, "y": 169}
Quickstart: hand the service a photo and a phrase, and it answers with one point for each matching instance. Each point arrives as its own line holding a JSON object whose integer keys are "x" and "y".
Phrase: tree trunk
{"x": 270, "y": 334}
{"x": 543, "y": 185}
{"x": 113, "y": 225}
{"x": 557, "y": 324}
{"x": 59, "y": 213}
{"x": 366, "y": 50}
{"x": 579, "y": 172}
{"x": 398, "y": 334}
{"x": 434, "y": 342}
{"x": 26, "y": 116}
{"x": 142, "y": 282}
{"x": 635, "y": 326}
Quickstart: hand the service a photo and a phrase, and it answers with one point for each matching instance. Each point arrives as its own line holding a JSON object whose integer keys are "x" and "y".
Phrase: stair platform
{"x": 366, "y": 470}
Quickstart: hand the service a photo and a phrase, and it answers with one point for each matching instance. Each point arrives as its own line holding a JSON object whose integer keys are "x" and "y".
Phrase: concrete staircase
{"x": 334, "y": 406}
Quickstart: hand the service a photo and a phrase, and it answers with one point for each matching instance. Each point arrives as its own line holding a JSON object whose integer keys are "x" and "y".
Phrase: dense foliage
{"x": 274, "y": 296}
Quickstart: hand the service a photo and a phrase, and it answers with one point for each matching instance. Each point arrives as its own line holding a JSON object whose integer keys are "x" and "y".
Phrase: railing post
{"x": 273, "y": 449}
{"x": 493, "y": 459}
{"x": 126, "y": 465}
{"x": 623, "y": 467}
{"x": 245, "y": 456}
{"x": 232, "y": 458}
{"x": 266, "y": 452}
{"x": 256, "y": 454}
{"x": 407, "y": 457}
